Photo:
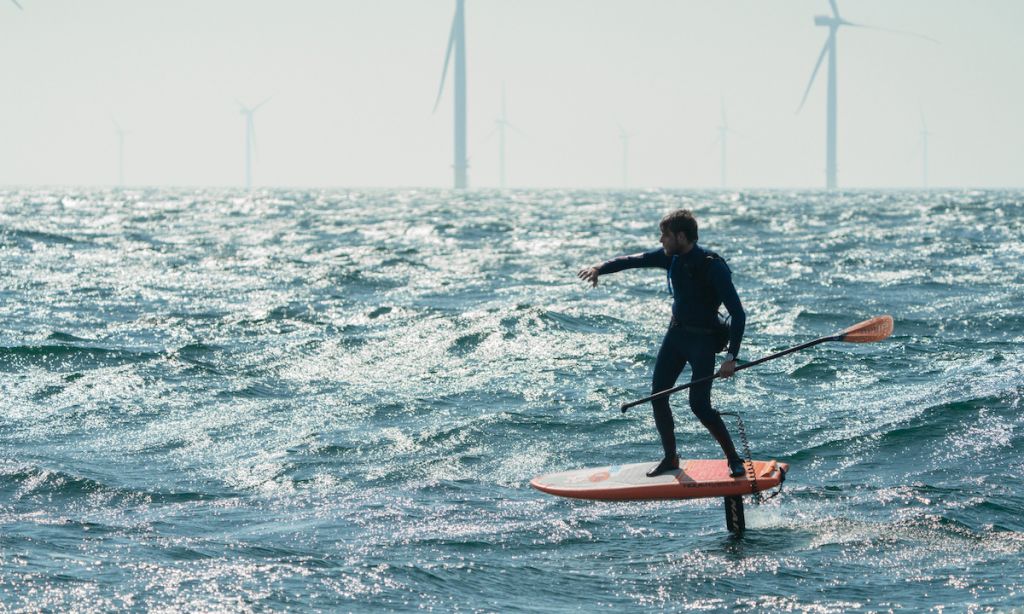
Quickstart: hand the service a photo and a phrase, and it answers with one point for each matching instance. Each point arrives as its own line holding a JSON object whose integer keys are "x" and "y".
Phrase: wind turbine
{"x": 500, "y": 125}
{"x": 457, "y": 43}
{"x": 723, "y": 131}
{"x": 250, "y": 138}
{"x": 924, "y": 151}
{"x": 833, "y": 24}
{"x": 624, "y": 137}
{"x": 120, "y": 152}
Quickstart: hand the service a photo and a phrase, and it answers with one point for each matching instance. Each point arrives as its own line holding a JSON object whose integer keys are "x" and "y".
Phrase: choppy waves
{"x": 301, "y": 399}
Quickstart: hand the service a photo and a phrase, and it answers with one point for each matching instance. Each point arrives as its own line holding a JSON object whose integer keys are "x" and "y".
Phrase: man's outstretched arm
{"x": 653, "y": 258}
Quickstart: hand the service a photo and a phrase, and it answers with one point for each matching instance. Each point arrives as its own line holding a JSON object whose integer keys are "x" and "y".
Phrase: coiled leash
{"x": 748, "y": 463}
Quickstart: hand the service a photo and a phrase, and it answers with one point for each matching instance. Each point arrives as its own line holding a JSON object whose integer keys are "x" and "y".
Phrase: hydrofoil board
{"x": 693, "y": 479}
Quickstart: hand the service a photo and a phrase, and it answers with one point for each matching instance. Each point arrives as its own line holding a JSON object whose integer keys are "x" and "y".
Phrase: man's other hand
{"x": 727, "y": 369}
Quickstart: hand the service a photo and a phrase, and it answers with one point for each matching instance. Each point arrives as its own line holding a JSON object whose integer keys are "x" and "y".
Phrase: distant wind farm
{"x": 563, "y": 132}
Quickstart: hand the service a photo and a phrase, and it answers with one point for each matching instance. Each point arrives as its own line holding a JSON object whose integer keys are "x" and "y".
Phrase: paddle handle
{"x": 665, "y": 393}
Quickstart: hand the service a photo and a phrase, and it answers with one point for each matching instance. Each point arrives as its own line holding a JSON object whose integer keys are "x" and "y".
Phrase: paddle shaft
{"x": 665, "y": 393}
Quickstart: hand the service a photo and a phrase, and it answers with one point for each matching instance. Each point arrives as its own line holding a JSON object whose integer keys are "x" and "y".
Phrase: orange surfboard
{"x": 693, "y": 479}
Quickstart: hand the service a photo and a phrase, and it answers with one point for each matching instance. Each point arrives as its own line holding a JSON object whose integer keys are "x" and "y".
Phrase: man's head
{"x": 678, "y": 231}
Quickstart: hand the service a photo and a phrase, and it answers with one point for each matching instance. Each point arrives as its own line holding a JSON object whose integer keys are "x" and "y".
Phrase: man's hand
{"x": 727, "y": 369}
{"x": 589, "y": 274}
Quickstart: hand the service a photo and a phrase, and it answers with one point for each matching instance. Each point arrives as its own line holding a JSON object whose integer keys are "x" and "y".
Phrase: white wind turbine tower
{"x": 723, "y": 132}
{"x": 624, "y": 137}
{"x": 457, "y": 45}
{"x": 120, "y": 152}
{"x": 833, "y": 24}
{"x": 924, "y": 151}
{"x": 250, "y": 138}
{"x": 502, "y": 123}
{"x": 500, "y": 126}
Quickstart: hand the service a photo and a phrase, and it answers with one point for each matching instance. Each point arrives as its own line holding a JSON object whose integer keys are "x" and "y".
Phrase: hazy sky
{"x": 354, "y": 81}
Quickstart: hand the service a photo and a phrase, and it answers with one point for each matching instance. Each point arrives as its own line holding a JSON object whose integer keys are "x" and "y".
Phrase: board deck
{"x": 693, "y": 479}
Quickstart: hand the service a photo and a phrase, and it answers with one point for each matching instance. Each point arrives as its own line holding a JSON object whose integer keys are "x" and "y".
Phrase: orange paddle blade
{"x": 867, "y": 331}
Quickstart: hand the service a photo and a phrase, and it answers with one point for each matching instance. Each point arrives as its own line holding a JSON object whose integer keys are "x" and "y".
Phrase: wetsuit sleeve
{"x": 721, "y": 279}
{"x": 646, "y": 260}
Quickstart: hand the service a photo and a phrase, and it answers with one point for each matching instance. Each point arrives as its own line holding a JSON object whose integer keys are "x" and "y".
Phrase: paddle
{"x": 867, "y": 331}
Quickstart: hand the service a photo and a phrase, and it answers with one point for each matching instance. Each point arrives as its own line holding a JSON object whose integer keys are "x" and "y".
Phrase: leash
{"x": 748, "y": 462}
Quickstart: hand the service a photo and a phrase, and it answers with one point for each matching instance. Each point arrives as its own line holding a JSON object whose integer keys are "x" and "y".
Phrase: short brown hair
{"x": 680, "y": 220}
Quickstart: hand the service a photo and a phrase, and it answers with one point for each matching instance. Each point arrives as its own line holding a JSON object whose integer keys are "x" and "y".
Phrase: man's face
{"x": 673, "y": 243}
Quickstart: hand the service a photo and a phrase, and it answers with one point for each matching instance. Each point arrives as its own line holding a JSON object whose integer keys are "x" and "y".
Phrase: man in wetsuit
{"x": 699, "y": 281}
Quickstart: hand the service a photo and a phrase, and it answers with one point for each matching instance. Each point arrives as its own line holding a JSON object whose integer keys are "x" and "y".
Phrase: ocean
{"x": 334, "y": 400}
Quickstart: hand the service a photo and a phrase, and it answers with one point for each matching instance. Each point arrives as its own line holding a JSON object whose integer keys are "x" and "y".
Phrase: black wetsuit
{"x": 698, "y": 286}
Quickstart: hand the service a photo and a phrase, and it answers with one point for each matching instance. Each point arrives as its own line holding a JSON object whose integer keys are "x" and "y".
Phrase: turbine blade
{"x": 491, "y": 133}
{"x": 265, "y": 101}
{"x": 517, "y": 130}
{"x": 835, "y": 9}
{"x": 891, "y": 31}
{"x": 447, "y": 57}
{"x": 17, "y": 5}
{"x": 814, "y": 73}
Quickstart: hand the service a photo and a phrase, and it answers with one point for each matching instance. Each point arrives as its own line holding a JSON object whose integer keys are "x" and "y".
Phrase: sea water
{"x": 335, "y": 400}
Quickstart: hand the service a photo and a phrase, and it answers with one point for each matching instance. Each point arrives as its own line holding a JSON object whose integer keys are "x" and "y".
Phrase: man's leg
{"x": 702, "y": 362}
{"x": 666, "y": 371}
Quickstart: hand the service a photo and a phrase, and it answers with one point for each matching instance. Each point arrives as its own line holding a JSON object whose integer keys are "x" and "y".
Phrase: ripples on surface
{"x": 336, "y": 399}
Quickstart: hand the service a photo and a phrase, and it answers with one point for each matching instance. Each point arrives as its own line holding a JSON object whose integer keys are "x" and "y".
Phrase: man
{"x": 699, "y": 282}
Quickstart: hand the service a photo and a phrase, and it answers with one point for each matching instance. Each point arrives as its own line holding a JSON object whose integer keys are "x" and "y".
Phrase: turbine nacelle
{"x": 832, "y": 22}
{"x": 244, "y": 110}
